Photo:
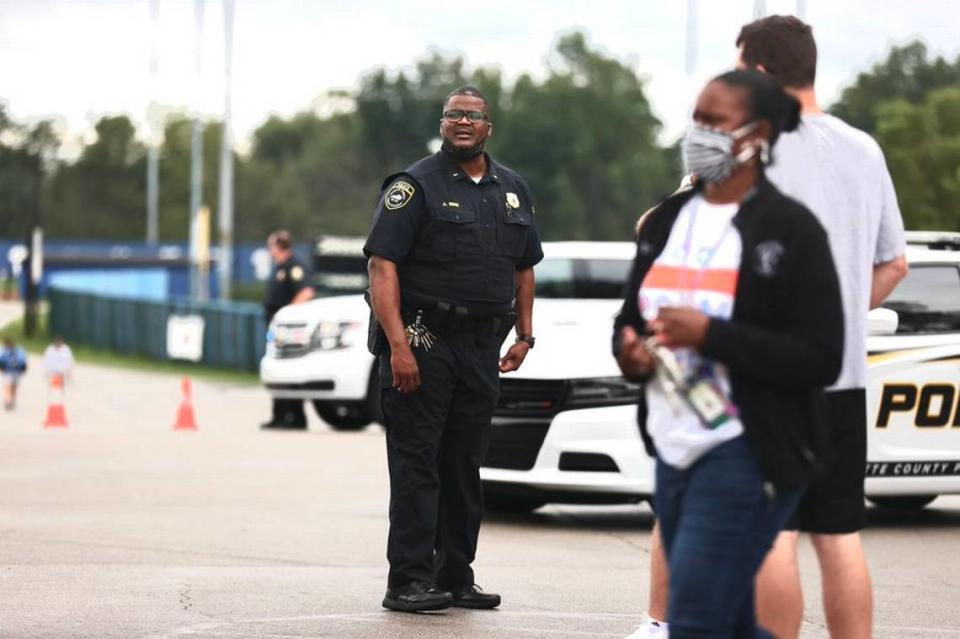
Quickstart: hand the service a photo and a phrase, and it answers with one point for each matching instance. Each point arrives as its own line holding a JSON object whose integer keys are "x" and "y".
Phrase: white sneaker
{"x": 650, "y": 630}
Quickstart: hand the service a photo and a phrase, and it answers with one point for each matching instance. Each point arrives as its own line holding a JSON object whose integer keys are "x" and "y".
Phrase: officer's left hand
{"x": 681, "y": 326}
{"x": 514, "y": 357}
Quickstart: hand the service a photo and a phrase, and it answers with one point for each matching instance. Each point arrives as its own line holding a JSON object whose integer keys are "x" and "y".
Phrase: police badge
{"x": 398, "y": 196}
{"x": 513, "y": 201}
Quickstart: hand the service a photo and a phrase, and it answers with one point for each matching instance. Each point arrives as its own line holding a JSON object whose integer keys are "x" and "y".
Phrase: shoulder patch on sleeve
{"x": 296, "y": 274}
{"x": 398, "y": 196}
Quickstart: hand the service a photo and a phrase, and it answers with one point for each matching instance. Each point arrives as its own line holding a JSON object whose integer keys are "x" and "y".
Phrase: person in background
{"x": 732, "y": 320}
{"x": 58, "y": 359}
{"x": 840, "y": 174}
{"x": 13, "y": 364}
{"x": 288, "y": 284}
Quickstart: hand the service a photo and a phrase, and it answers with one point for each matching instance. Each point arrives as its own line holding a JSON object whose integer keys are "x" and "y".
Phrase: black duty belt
{"x": 452, "y": 319}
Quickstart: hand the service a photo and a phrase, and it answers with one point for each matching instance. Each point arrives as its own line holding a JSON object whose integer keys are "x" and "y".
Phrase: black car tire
{"x": 341, "y": 416}
{"x": 512, "y": 504}
{"x": 903, "y": 502}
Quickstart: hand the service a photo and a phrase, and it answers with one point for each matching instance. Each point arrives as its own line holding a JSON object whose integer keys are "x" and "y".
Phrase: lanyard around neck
{"x": 691, "y": 283}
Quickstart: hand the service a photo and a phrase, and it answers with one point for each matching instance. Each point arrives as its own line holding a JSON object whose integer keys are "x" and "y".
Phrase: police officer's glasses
{"x": 455, "y": 115}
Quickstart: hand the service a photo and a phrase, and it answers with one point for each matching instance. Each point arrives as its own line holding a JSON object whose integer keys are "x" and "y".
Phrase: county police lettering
{"x": 455, "y": 233}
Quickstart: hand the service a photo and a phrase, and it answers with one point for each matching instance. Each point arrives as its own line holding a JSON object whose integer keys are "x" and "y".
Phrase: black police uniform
{"x": 457, "y": 245}
{"x": 286, "y": 280}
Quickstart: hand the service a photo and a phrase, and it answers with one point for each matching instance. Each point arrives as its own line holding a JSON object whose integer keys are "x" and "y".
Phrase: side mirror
{"x": 882, "y": 321}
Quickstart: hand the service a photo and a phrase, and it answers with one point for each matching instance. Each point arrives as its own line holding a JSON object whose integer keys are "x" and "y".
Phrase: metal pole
{"x": 759, "y": 9}
{"x": 225, "y": 217}
{"x": 34, "y": 266}
{"x": 153, "y": 153}
{"x": 197, "y": 288}
{"x": 802, "y": 9}
{"x": 692, "y": 36}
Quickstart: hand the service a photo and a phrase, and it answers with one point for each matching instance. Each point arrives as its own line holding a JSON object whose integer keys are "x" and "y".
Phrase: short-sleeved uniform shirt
{"x": 839, "y": 173}
{"x": 455, "y": 239}
{"x": 286, "y": 280}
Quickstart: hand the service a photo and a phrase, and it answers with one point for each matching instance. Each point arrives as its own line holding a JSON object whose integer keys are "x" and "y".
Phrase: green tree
{"x": 922, "y": 146}
{"x": 101, "y": 195}
{"x": 905, "y": 74}
{"x": 26, "y": 156}
{"x": 586, "y": 141}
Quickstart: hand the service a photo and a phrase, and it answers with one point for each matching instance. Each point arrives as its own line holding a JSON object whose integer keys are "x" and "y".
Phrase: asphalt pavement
{"x": 119, "y": 526}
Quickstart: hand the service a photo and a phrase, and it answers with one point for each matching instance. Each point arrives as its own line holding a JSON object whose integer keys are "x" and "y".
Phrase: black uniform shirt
{"x": 286, "y": 280}
{"x": 453, "y": 239}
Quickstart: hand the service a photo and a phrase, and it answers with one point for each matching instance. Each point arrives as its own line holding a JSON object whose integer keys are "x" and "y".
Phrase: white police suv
{"x": 565, "y": 429}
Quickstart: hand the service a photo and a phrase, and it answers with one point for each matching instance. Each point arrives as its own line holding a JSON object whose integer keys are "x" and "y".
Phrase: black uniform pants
{"x": 436, "y": 440}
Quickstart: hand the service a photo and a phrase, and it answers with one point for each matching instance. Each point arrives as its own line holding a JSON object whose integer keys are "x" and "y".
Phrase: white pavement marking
{"x": 206, "y": 628}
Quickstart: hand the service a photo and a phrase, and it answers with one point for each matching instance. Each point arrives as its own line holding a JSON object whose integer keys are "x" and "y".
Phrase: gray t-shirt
{"x": 840, "y": 174}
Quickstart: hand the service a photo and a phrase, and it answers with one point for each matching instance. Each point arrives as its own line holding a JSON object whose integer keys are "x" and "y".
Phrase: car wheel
{"x": 341, "y": 416}
{"x": 500, "y": 503}
{"x": 903, "y": 502}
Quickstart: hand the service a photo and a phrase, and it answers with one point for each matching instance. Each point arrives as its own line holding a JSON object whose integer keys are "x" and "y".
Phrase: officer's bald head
{"x": 470, "y": 91}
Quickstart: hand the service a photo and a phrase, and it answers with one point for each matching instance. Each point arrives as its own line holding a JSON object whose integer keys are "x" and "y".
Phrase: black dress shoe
{"x": 474, "y": 597}
{"x": 417, "y": 596}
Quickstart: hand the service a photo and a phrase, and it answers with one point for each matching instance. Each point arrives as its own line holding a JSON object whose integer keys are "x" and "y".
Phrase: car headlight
{"x": 602, "y": 391}
{"x": 328, "y": 336}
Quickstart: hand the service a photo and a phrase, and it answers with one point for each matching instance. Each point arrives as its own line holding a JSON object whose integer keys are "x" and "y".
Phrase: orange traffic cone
{"x": 56, "y": 413}
{"x": 185, "y": 417}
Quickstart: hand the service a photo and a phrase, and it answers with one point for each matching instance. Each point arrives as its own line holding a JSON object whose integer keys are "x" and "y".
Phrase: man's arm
{"x": 385, "y": 302}
{"x": 886, "y": 276}
{"x": 304, "y": 295}
{"x": 525, "y": 288}
{"x": 524, "y": 280}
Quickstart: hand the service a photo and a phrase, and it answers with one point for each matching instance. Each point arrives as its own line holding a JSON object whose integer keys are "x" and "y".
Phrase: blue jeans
{"x": 717, "y": 522}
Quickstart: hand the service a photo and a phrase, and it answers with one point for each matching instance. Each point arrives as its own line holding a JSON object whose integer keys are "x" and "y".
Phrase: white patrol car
{"x": 565, "y": 428}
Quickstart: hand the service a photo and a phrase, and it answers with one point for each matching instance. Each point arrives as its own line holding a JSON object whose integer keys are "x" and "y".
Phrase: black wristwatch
{"x": 529, "y": 339}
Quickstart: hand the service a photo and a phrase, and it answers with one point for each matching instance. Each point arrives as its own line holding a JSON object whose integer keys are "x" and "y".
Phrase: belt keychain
{"x": 419, "y": 335}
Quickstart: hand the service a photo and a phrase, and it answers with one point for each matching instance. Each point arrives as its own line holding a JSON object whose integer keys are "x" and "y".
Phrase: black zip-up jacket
{"x": 784, "y": 342}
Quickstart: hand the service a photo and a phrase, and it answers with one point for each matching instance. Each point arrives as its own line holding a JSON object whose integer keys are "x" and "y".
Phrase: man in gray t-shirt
{"x": 839, "y": 173}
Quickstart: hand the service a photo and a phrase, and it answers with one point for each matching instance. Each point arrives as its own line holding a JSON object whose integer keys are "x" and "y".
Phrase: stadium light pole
{"x": 153, "y": 151}
{"x": 197, "y": 288}
{"x": 225, "y": 217}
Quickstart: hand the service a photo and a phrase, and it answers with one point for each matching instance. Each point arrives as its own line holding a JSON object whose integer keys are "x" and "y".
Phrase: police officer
{"x": 451, "y": 252}
{"x": 287, "y": 285}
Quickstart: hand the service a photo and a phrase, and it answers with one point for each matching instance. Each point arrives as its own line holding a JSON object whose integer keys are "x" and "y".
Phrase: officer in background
{"x": 451, "y": 251}
{"x": 288, "y": 284}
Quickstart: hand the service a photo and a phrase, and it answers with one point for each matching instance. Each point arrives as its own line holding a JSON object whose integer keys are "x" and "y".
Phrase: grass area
{"x": 87, "y": 355}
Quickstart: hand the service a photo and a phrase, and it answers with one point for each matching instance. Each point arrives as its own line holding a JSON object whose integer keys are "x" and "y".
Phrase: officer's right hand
{"x": 634, "y": 358}
{"x": 406, "y": 373}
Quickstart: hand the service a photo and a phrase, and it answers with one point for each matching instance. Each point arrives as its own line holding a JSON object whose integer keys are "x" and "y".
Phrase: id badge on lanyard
{"x": 701, "y": 390}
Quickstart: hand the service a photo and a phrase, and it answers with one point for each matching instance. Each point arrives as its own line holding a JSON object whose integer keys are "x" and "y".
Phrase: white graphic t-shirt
{"x": 698, "y": 267}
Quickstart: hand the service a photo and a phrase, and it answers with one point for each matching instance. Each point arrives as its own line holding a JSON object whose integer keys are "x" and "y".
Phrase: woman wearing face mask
{"x": 732, "y": 320}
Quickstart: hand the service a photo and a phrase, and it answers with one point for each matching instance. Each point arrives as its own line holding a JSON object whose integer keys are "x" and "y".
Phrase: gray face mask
{"x": 708, "y": 153}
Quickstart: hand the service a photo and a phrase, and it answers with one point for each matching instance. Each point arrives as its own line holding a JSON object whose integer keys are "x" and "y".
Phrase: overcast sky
{"x": 77, "y": 60}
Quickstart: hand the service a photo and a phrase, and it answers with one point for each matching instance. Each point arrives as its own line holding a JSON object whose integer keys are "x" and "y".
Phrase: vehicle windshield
{"x": 927, "y": 300}
{"x": 581, "y": 278}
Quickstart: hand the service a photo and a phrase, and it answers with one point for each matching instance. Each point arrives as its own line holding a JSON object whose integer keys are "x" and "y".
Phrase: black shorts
{"x": 833, "y": 504}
